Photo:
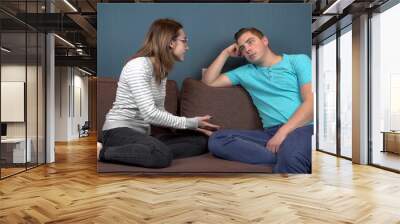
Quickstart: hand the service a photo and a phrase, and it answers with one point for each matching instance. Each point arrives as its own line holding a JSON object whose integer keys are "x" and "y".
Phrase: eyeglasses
{"x": 184, "y": 40}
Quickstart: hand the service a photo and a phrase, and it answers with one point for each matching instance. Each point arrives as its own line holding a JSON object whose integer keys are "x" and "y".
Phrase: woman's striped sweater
{"x": 139, "y": 101}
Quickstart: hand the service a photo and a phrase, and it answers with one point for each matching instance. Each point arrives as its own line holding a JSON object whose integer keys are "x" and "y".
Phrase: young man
{"x": 280, "y": 87}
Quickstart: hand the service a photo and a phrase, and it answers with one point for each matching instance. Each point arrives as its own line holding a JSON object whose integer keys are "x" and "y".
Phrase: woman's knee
{"x": 200, "y": 145}
{"x": 194, "y": 146}
{"x": 161, "y": 155}
{"x": 160, "y": 161}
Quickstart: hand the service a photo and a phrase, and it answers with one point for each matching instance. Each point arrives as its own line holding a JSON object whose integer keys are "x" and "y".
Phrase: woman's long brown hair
{"x": 157, "y": 45}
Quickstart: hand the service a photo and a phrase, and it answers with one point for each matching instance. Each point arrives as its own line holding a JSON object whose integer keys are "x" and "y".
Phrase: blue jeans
{"x": 249, "y": 146}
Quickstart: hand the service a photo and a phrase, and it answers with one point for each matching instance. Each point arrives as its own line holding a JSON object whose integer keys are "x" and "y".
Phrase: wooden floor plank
{"x": 71, "y": 191}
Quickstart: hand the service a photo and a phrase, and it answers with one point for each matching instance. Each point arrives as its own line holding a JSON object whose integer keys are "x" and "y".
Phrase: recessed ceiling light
{"x": 84, "y": 71}
{"x": 5, "y": 50}
{"x": 64, "y": 40}
{"x": 70, "y": 5}
{"x": 338, "y": 6}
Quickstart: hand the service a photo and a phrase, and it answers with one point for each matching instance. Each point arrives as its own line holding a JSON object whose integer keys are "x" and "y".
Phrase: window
{"x": 385, "y": 88}
{"x": 327, "y": 95}
{"x": 346, "y": 75}
{"x": 22, "y": 76}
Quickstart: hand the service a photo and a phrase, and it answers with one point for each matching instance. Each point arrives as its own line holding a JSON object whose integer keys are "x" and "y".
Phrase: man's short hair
{"x": 252, "y": 30}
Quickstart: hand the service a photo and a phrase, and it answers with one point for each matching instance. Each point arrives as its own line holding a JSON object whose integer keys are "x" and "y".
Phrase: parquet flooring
{"x": 70, "y": 191}
{"x": 10, "y": 171}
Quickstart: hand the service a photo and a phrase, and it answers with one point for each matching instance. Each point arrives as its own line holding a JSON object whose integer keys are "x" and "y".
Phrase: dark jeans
{"x": 249, "y": 146}
{"x": 124, "y": 145}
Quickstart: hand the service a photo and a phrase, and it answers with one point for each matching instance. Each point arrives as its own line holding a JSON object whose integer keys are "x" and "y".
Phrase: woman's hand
{"x": 206, "y": 127}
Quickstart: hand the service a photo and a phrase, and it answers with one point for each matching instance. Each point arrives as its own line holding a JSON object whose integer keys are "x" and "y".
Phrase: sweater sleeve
{"x": 137, "y": 76}
{"x": 163, "y": 94}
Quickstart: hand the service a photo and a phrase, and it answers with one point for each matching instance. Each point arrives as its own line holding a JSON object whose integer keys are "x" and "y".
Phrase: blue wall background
{"x": 209, "y": 26}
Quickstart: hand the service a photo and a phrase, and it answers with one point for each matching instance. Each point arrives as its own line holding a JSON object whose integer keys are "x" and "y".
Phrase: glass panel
{"x": 314, "y": 76}
{"x": 31, "y": 100}
{"x": 346, "y": 93}
{"x": 13, "y": 87}
{"x": 327, "y": 96}
{"x": 385, "y": 86}
{"x": 41, "y": 98}
{"x": 23, "y": 92}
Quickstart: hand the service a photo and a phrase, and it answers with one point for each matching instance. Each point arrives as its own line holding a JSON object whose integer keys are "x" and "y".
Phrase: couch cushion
{"x": 230, "y": 107}
{"x": 171, "y": 105}
{"x": 205, "y": 163}
{"x": 106, "y": 90}
{"x": 172, "y": 97}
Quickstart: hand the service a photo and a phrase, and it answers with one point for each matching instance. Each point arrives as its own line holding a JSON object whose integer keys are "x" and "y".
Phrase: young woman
{"x": 139, "y": 103}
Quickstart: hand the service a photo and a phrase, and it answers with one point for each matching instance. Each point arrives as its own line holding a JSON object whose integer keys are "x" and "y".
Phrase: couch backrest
{"x": 231, "y": 107}
{"x": 106, "y": 90}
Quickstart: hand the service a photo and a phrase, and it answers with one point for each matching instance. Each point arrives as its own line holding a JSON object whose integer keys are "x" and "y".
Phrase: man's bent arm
{"x": 304, "y": 114}
{"x": 214, "y": 70}
{"x": 212, "y": 76}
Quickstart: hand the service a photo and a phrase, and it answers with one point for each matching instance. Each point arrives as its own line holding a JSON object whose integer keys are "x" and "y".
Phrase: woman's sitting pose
{"x": 139, "y": 103}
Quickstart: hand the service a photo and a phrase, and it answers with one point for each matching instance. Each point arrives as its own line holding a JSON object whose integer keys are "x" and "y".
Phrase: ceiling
{"x": 76, "y": 22}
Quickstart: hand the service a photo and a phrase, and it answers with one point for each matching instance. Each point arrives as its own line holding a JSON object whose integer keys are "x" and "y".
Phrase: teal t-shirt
{"x": 275, "y": 90}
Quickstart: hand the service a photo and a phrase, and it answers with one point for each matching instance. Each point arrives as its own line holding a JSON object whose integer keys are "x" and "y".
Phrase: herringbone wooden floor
{"x": 70, "y": 191}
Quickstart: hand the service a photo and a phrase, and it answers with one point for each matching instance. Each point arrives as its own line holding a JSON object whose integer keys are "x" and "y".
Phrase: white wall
{"x": 13, "y": 72}
{"x": 61, "y": 103}
{"x": 33, "y": 127}
{"x": 80, "y": 105}
{"x": 71, "y": 102}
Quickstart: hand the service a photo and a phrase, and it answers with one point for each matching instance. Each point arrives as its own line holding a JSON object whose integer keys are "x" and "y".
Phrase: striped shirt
{"x": 139, "y": 101}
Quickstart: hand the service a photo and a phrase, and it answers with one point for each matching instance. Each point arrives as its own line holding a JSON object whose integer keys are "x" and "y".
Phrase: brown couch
{"x": 231, "y": 108}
